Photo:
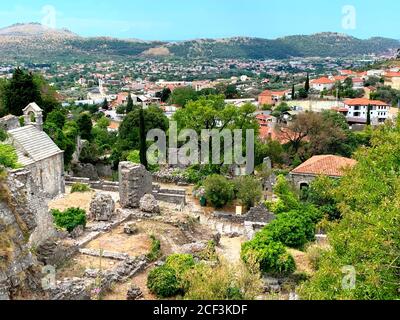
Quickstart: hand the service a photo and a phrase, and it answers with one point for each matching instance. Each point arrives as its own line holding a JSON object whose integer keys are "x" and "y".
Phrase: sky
{"x": 192, "y": 19}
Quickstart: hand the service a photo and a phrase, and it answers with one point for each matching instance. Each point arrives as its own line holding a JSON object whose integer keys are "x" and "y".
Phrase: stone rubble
{"x": 134, "y": 182}
{"x": 102, "y": 207}
{"x": 134, "y": 293}
{"x": 149, "y": 204}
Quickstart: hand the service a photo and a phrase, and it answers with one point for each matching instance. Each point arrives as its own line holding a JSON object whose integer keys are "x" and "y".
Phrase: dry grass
{"x": 76, "y": 266}
{"x": 119, "y": 291}
{"x": 118, "y": 241}
{"x": 301, "y": 260}
{"x": 73, "y": 200}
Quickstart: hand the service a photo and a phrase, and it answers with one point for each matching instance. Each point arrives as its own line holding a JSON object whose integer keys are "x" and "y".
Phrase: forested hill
{"x": 36, "y": 43}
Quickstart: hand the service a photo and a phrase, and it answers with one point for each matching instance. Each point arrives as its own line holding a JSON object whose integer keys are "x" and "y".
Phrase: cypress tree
{"x": 293, "y": 93}
{"x": 369, "y": 115}
{"x": 307, "y": 85}
{"x": 129, "y": 105}
{"x": 105, "y": 104}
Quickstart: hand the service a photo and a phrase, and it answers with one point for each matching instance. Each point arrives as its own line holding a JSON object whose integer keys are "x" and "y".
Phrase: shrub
{"x": 248, "y": 190}
{"x": 8, "y": 156}
{"x": 70, "y": 218}
{"x": 293, "y": 229}
{"x": 180, "y": 263}
{"x": 3, "y": 135}
{"x": 271, "y": 256}
{"x": 223, "y": 282}
{"x": 314, "y": 255}
{"x": 162, "y": 281}
{"x": 134, "y": 156}
{"x": 155, "y": 250}
{"x": 80, "y": 187}
{"x": 218, "y": 190}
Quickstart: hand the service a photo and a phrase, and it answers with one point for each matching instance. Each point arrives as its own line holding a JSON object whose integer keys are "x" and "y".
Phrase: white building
{"x": 322, "y": 84}
{"x": 357, "y": 110}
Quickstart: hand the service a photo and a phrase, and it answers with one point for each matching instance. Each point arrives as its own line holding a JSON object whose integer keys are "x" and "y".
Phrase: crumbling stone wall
{"x": 9, "y": 122}
{"x": 24, "y": 223}
{"x": 134, "y": 182}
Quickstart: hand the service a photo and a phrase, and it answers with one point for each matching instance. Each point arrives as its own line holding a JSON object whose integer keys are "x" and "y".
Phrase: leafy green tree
{"x": 367, "y": 236}
{"x": 57, "y": 117}
{"x": 66, "y": 144}
{"x": 128, "y": 133}
{"x": 231, "y": 92}
{"x": 20, "y": 91}
{"x": 164, "y": 95}
{"x": 218, "y": 190}
{"x": 181, "y": 96}
{"x": 248, "y": 190}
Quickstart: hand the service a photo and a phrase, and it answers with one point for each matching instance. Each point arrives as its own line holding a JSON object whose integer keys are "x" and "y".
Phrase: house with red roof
{"x": 357, "y": 111}
{"x": 323, "y": 165}
{"x": 272, "y": 97}
{"x": 322, "y": 84}
{"x": 392, "y": 79}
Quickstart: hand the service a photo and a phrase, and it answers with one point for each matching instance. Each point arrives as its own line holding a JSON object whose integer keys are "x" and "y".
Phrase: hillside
{"x": 36, "y": 43}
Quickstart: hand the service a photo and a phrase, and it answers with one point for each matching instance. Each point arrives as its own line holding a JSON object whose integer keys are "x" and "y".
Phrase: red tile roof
{"x": 364, "y": 102}
{"x": 392, "y": 74}
{"x": 328, "y": 165}
{"x": 322, "y": 80}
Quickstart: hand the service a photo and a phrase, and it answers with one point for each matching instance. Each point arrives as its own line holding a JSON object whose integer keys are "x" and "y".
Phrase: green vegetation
{"x": 218, "y": 190}
{"x": 162, "y": 281}
{"x": 8, "y": 157}
{"x": 70, "y": 218}
{"x": 155, "y": 249}
{"x": 272, "y": 257}
{"x": 248, "y": 191}
{"x": 80, "y": 187}
{"x": 367, "y": 236}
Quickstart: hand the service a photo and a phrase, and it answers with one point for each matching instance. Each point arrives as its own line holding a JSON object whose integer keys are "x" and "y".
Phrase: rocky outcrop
{"x": 131, "y": 228}
{"x": 134, "y": 293}
{"x": 134, "y": 182}
{"x": 25, "y": 223}
{"x": 149, "y": 204}
{"x": 102, "y": 207}
{"x": 96, "y": 282}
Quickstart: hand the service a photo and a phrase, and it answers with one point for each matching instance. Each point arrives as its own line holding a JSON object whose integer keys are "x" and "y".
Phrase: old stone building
{"x": 38, "y": 153}
{"x": 324, "y": 165}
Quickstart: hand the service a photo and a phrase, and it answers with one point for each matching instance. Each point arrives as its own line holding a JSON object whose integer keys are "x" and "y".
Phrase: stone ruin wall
{"x": 25, "y": 223}
{"x": 134, "y": 182}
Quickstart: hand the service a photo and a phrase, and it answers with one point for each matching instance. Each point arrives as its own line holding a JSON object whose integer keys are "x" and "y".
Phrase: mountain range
{"x": 36, "y": 43}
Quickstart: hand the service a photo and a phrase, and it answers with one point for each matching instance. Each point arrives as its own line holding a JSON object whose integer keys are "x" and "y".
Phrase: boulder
{"x": 149, "y": 204}
{"x": 102, "y": 207}
{"x": 134, "y": 293}
{"x": 131, "y": 228}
